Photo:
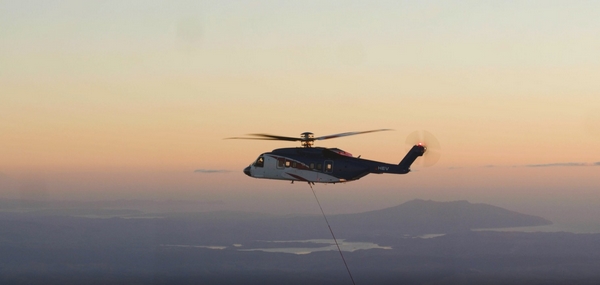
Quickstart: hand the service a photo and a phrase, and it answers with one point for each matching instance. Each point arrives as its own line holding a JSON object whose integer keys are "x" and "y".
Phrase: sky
{"x": 133, "y": 99}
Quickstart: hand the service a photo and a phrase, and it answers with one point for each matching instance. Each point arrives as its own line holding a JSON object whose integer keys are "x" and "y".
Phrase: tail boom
{"x": 403, "y": 167}
{"x": 416, "y": 151}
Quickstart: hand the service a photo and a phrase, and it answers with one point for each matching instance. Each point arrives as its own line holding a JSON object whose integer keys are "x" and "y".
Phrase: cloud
{"x": 557, "y": 164}
{"x": 211, "y": 171}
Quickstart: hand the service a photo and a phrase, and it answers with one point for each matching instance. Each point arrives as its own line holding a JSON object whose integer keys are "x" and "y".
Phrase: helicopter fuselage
{"x": 323, "y": 165}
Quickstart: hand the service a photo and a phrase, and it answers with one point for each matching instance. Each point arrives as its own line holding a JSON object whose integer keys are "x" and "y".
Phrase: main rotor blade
{"x": 349, "y": 134}
{"x": 292, "y": 139}
{"x": 266, "y": 137}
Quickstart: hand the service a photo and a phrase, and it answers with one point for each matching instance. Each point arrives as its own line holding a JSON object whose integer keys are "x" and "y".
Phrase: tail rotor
{"x": 432, "y": 146}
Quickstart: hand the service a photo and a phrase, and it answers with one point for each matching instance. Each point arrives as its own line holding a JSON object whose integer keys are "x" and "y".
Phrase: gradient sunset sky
{"x": 133, "y": 99}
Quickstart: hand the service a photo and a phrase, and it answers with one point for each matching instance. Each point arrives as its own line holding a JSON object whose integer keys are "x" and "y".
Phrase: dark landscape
{"x": 420, "y": 242}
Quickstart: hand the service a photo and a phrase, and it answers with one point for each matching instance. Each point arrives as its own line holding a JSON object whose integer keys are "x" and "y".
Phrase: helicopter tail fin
{"x": 416, "y": 151}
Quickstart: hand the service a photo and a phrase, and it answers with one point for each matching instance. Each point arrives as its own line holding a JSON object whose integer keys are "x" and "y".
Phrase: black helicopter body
{"x": 324, "y": 165}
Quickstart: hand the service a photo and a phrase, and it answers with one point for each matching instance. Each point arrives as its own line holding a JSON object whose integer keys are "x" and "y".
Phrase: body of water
{"x": 571, "y": 228}
{"x": 327, "y": 245}
{"x": 312, "y": 245}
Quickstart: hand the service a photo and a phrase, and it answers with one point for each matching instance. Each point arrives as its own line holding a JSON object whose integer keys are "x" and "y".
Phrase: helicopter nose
{"x": 247, "y": 171}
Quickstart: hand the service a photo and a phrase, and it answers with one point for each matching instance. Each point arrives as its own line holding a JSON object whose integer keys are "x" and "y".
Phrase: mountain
{"x": 412, "y": 218}
{"x": 416, "y": 217}
{"x": 423, "y": 217}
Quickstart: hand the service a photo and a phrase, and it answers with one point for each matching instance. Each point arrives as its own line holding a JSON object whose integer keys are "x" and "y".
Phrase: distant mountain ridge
{"x": 412, "y": 218}
{"x": 426, "y": 216}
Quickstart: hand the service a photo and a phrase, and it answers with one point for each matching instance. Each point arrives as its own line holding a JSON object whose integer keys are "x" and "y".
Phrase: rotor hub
{"x": 307, "y": 139}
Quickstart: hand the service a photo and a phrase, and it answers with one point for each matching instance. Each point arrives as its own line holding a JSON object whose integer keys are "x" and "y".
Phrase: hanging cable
{"x": 331, "y": 231}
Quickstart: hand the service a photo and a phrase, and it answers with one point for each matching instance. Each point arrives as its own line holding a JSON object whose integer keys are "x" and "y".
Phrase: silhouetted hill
{"x": 411, "y": 218}
{"x": 421, "y": 217}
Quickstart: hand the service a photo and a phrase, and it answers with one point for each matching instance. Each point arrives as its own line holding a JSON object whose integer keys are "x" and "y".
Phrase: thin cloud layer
{"x": 557, "y": 164}
{"x": 211, "y": 171}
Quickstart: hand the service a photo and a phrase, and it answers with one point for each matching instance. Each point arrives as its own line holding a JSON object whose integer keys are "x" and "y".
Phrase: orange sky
{"x": 105, "y": 100}
{"x": 107, "y": 124}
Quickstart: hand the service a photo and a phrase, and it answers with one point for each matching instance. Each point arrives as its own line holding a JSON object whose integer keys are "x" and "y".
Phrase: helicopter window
{"x": 280, "y": 162}
{"x": 294, "y": 164}
{"x": 319, "y": 166}
{"x": 288, "y": 163}
{"x": 328, "y": 166}
{"x": 260, "y": 162}
{"x": 312, "y": 166}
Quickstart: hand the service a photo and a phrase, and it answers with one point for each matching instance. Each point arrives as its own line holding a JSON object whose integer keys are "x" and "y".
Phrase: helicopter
{"x": 332, "y": 165}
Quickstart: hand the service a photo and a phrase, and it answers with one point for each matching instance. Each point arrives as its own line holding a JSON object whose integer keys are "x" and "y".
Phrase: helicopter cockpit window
{"x": 260, "y": 162}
